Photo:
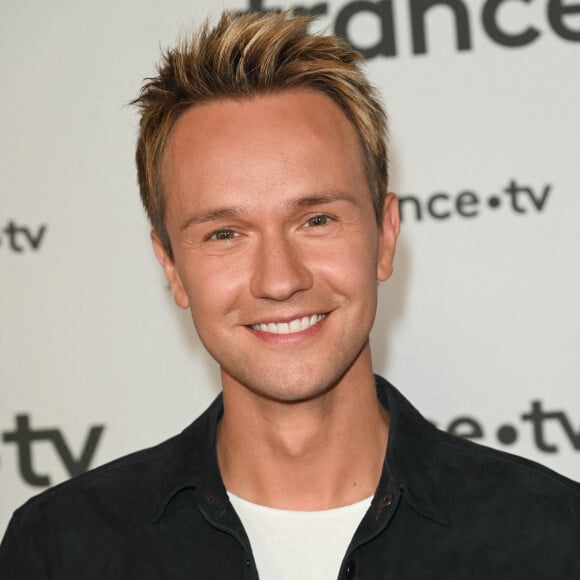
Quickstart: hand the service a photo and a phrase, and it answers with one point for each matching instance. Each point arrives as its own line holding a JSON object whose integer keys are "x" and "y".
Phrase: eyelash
{"x": 223, "y": 235}
{"x": 227, "y": 234}
{"x": 321, "y": 218}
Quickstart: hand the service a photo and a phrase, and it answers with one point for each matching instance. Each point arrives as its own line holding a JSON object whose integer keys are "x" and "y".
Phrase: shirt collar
{"x": 191, "y": 462}
{"x": 412, "y": 464}
{"x": 414, "y": 455}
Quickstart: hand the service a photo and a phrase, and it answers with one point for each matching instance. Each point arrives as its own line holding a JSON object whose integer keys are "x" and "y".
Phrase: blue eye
{"x": 223, "y": 235}
{"x": 317, "y": 220}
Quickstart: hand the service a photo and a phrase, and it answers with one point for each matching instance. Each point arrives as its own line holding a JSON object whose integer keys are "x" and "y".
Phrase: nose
{"x": 279, "y": 269}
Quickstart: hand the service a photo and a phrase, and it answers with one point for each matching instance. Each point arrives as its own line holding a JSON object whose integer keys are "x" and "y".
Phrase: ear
{"x": 179, "y": 293}
{"x": 388, "y": 234}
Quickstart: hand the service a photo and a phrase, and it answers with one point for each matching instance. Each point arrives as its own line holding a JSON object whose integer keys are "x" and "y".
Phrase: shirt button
{"x": 211, "y": 498}
{"x": 387, "y": 500}
{"x": 350, "y": 569}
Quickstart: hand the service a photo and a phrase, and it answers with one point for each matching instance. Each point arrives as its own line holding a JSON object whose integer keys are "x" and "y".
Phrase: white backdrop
{"x": 479, "y": 326}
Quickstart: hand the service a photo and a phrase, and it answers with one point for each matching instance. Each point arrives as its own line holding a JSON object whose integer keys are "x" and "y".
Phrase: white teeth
{"x": 296, "y": 325}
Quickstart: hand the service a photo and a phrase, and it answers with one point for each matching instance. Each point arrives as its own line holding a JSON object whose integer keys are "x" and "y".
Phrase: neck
{"x": 312, "y": 455}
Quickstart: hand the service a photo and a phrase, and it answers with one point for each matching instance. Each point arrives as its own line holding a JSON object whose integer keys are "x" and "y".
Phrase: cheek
{"x": 351, "y": 266}
{"x": 213, "y": 288}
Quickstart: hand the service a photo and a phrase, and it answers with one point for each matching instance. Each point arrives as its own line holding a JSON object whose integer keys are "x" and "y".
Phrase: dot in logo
{"x": 494, "y": 201}
{"x": 507, "y": 434}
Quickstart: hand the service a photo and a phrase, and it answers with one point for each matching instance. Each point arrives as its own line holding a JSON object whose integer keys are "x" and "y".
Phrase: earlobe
{"x": 388, "y": 234}
{"x": 168, "y": 265}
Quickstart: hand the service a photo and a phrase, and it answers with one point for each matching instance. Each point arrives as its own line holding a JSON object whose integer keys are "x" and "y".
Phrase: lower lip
{"x": 291, "y": 337}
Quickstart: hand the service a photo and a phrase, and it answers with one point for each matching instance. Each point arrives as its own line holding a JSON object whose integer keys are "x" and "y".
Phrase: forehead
{"x": 295, "y": 141}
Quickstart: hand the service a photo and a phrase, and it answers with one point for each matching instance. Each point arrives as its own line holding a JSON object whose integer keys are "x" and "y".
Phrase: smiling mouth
{"x": 296, "y": 325}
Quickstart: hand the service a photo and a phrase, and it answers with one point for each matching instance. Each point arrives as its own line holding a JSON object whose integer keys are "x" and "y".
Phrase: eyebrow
{"x": 215, "y": 214}
{"x": 210, "y": 215}
{"x": 324, "y": 198}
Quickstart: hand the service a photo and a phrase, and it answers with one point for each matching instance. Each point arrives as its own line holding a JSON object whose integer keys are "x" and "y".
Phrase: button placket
{"x": 387, "y": 501}
{"x": 350, "y": 570}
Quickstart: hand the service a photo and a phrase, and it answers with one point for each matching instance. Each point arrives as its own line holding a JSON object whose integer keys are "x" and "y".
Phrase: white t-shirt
{"x": 291, "y": 545}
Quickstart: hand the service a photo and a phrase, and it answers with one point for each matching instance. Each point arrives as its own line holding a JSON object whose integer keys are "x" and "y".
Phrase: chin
{"x": 291, "y": 385}
{"x": 298, "y": 394}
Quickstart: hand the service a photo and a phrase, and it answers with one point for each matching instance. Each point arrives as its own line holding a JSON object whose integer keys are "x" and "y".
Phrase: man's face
{"x": 276, "y": 246}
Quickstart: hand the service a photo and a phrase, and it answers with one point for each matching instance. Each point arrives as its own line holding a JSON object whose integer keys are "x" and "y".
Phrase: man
{"x": 262, "y": 166}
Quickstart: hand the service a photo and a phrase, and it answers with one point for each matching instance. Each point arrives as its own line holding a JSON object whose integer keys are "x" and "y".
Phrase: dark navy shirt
{"x": 445, "y": 508}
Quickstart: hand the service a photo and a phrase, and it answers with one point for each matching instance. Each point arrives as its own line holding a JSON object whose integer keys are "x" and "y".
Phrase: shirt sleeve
{"x": 18, "y": 560}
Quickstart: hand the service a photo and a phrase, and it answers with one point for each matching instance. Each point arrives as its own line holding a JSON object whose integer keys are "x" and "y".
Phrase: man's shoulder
{"x": 480, "y": 483}
{"x": 104, "y": 519}
{"x": 124, "y": 488}
{"x": 489, "y": 466}
{"x": 467, "y": 481}
{"x": 131, "y": 487}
